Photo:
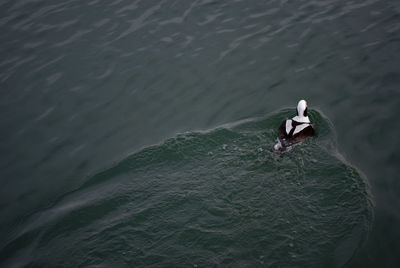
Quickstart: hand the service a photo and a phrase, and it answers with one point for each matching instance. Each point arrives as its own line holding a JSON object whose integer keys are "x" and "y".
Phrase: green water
{"x": 140, "y": 133}
{"x": 221, "y": 197}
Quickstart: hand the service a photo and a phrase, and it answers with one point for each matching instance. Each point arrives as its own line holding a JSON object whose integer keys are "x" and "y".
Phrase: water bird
{"x": 296, "y": 129}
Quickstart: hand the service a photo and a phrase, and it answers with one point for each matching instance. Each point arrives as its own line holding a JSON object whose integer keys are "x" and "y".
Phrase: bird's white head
{"x": 302, "y": 115}
{"x": 302, "y": 108}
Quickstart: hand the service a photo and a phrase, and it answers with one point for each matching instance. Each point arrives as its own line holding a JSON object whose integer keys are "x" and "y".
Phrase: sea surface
{"x": 140, "y": 133}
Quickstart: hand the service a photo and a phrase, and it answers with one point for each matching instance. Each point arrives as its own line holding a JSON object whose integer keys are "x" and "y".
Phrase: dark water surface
{"x": 140, "y": 133}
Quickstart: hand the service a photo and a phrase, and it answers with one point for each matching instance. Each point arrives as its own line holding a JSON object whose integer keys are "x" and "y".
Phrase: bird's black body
{"x": 296, "y": 129}
{"x": 288, "y": 134}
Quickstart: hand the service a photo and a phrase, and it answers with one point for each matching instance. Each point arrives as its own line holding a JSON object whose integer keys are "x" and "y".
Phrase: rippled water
{"x": 220, "y": 197}
{"x": 118, "y": 133}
